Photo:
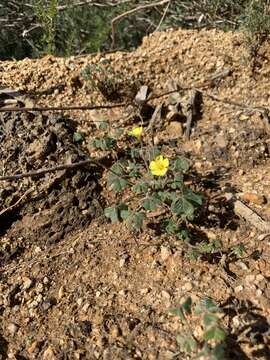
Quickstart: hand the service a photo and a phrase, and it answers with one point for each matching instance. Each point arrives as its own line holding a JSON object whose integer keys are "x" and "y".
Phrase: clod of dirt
{"x": 55, "y": 203}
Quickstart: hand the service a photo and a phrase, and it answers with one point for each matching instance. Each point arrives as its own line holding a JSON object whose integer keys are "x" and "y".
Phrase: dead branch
{"x": 251, "y": 216}
{"x": 48, "y": 170}
{"x": 133, "y": 11}
{"x": 263, "y": 110}
{"x": 191, "y": 112}
{"x": 63, "y": 108}
{"x": 17, "y": 203}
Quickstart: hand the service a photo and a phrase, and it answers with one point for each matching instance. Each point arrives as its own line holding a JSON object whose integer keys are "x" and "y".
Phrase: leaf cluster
{"x": 167, "y": 196}
{"x": 212, "y": 342}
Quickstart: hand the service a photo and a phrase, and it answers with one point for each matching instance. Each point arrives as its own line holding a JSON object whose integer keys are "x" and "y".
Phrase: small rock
{"x": 12, "y": 328}
{"x": 250, "y": 279}
{"x": 79, "y": 301}
{"x": 221, "y": 141}
{"x": 174, "y": 130}
{"x": 259, "y": 278}
{"x": 254, "y": 198}
{"x": 165, "y": 252}
{"x": 188, "y": 286}
{"x": 49, "y": 354}
{"x": 122, "y": 262}
{"x": 85, "y": 307}
{"x": 114, "y": 332}
{"x": 27, "y": 283}
{"x": 61, "y": 292}
{"x": 165, "y": 294}
{"x": 238, "y": 289}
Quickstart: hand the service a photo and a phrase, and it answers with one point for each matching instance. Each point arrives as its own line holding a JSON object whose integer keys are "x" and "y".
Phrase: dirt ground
{"x": 75, "y": 286}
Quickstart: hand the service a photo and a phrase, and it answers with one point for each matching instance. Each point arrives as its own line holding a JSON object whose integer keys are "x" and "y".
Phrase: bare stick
{"x": 191, "y": 112}
{"x": 48, "y": 170}
{"x": 17, "y": 203}
{"x": 63, "y": 108}
{"x": 251, "y": 216}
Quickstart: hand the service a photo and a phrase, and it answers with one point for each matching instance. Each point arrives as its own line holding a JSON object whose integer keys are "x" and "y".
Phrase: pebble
{"x": 85, "y": 307}
{"x": 188, "y": 286}
{"x": 238, "y": 289}
{"x": 61, "y": 292}
{"x": 259, "y": 278}
{"x": 250, "y": 279}
{"x": 165, "y": 252}
{"x": 48, "y": 354}
{"x": 27, "y": 283}
{"x": 12, "y": 328}
{"x": 79, "y": 301}
{"x": 254, "y": 198}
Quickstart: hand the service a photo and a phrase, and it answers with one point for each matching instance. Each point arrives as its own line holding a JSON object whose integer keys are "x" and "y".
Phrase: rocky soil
{"x": 75, "y": 286}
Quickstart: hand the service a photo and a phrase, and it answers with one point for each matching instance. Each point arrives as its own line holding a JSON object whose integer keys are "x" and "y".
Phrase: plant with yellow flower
{"x": 146, "y": 177}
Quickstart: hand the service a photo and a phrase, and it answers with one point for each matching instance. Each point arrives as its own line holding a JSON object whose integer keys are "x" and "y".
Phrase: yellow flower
{"x": 159, "y": 166}
{"x": 137, "y": 132}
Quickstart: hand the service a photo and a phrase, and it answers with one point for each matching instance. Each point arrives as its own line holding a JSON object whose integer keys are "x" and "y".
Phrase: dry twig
{"x": 251, "y": 216}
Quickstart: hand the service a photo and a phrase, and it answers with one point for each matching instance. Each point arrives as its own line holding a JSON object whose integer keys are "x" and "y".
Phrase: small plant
{"x": 256, "y": 26}
{"x": 47, "y": 14}
{"x": 150, "y": 186}
{"x": 211, "y": 341}
{"x": 110, "y": 83}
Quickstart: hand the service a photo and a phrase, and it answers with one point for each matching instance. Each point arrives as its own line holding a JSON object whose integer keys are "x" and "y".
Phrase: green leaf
{"x": 210, "y": 319}
{"x": 118, "y": 132}
{"x": 77, "y": 137}
{"x": 187, "y": 344}
{"x": 215, "y": 333}
{"x": 192, "y": 197}
{"x": 141, "y": 187}
{"x": 123, "y": 211}
{"x": 115, "y": 180}
{"x": 181, "y": 164}
{"x": 181, "y": 206}
{"x": 183, "y": 235}
{"x": 207, "y": 305}
{"x": 117, "y": 184}
{"x": 165, "y": 195}
{"x": 170, "y": 226}
{"x": 187, "y": 305}
{"x": 103, "y": 126}
{"x": 112, "y": 214}
{"x": 156, "y": 184}
{"x": 152, "y": 153}
{"x": 177, "y": 183}
{"x": 218, "y": 352}
{"x": 151, "y": 203}
{"x": 178, "y": 312}
{"x": 106, "y": 143}
{"x": 134, "y": 169}
{"x": 135, "y": 221}
{"x": 193, "y": 254}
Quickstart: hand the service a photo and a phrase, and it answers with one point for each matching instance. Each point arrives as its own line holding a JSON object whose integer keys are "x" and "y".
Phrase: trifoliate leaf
{"x": 151, "y": 203}
{"x": 215, "y": 333}
{"x": 181, "y": 164}
{"x": 191, "y": 196}
{"x": 77, "y": 137}
{"x": 181, "y": 206}
{"x": 209, "y": 319}
{"x": 123, "y": 211}
{"x": 135, "y": 221}
{"x": 112, "y": 214}
{"x": 187, "y": 344}
{"x": 141, "y": 187}
{"x": 187, "y": 305}
{"x": 178, "y": 312}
